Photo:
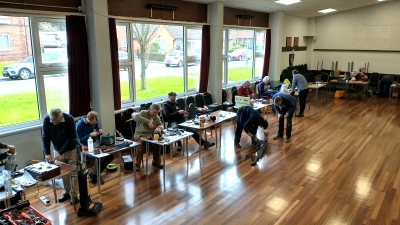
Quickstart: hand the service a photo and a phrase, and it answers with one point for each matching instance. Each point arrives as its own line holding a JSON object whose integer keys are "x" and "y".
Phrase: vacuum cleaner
{"x": 87, "y": 206}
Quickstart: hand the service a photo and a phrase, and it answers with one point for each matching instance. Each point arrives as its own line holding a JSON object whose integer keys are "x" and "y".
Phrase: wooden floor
{"x": 342, "y": 167}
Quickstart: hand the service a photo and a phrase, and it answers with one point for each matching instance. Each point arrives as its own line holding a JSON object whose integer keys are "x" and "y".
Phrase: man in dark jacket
{"x": 87, "y": 127}
{"x": 248, "y": 119}
{"x": 172, "y": 114}
{"x": 284, "y": 104}
{"x": 59, "y": 129}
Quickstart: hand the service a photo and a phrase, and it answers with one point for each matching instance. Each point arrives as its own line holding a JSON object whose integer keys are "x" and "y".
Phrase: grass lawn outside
{"x": 23, "y": 107}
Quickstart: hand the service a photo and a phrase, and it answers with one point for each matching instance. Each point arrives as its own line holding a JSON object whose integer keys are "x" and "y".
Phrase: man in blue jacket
{"x": 248, "y": 119}
{"x": 87, "y": 127}
{"x": 284, "y": 104}
{"x": 59, "y": 129}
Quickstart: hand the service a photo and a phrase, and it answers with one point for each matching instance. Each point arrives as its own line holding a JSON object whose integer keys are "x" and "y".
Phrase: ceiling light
{"x": 287, "y": 2}
{"x": 327, "y": 10}
{"x": 381, "y": 0}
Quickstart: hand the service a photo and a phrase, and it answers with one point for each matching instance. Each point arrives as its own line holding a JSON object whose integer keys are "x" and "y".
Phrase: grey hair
{"x": 294, "y": 72}
{"x": 55, "y": 113}
{"x": 155, "y": 107}
{"x": 265, "y": 79}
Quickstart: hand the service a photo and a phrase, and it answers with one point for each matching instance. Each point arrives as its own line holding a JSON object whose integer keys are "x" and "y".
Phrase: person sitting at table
{"x": 87, "y": 127}
{"x": 147, "y": 123}
{"x": 263, "y": 86}
{"x": 300, "y": 82}
{"x": 361, "y": 75}
{"x": 172, "y": 114}
{"x": 10, "y": 150}
{"x": 244, "y": 90}
{"x": 248, "y": 119}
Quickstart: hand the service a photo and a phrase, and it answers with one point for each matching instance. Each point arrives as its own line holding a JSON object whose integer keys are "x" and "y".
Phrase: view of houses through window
{"x": 154, "y": 60}
{"x": 33, "y": 61}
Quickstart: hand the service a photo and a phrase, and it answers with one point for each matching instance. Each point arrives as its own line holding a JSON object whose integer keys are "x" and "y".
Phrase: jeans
{"x": 288, "y": 125}
{"x": 302, "y": 99}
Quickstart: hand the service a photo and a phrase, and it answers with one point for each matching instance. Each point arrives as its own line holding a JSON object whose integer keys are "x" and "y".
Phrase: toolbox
{"x": 27, "y": 215}
{"x": 128, "y": 163}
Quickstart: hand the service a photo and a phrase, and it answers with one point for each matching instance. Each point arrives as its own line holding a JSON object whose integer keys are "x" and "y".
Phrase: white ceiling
{"x": 305, "y": 8}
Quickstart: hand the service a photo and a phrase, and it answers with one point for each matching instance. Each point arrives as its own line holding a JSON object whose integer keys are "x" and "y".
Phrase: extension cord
{"x": 45, "y": 201}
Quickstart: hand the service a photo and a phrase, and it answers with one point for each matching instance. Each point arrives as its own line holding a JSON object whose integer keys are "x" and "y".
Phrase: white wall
{"x": 294, "y": 27}
{"x": 28, "y": 145}
{"x": 375, "y": 27}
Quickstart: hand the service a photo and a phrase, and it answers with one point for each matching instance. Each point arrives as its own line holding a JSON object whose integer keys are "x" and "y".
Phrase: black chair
{"x": 374, "y": 82}
{"x": 189, "y": 99}
{"x": 225, "y": 104}
{"x": 233, "y": 88}
{"x": 324, "y": 77}
{"x": 127, "y": 126}
{"x": 181, "y": 103}
{"x": 199, "y": 100}
{"x": 234, "y": 94}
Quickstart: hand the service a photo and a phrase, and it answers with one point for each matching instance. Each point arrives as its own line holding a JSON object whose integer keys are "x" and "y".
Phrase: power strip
{"x": 44, "y": 200}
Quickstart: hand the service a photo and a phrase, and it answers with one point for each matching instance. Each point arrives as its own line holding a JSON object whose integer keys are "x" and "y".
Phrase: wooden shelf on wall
{"x": 309, "y": 36}
{"x": 289, "y": 49}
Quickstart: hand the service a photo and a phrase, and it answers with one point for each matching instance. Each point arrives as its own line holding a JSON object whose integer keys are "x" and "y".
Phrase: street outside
{"x": 58, "y": 81}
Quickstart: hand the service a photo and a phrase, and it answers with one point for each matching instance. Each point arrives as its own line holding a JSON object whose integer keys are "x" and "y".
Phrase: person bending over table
{"x": 87, "y": 127}
{"x": 148, "y": 122}
{"x": 248, "y": 119}
{"x": 300, "y": 82}
{"x": 59, "y": 129}
{"x": 384, "y": 86}
{"x": 244, "y": 90}
{"x": 174, "y": 115}
{"x": 284, "y": 104}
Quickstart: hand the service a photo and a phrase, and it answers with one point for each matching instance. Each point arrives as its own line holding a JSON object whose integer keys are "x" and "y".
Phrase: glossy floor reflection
{"x": 342, "y": 167}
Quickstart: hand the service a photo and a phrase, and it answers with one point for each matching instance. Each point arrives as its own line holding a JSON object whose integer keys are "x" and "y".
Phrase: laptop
{"x": 242, "y": 101}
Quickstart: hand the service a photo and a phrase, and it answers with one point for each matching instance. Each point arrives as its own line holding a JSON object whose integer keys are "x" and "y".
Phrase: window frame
{"x": 8, "y": 40}
{"x": 41, "y": 69}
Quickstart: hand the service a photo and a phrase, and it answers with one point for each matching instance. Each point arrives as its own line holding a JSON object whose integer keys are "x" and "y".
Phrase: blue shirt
{"x": 62, "y": 135}
{"x": 83, "y": 130}
{"x": 288, "y": 103}
{"x": 299, "y": 82}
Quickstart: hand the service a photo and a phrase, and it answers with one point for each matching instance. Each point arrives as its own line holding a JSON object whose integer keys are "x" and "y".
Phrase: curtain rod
{"x": 246, "y": 27}
{"x": 79, "y": 8}
{"x": 155, "y": 20}
{"x": 25, "y": 12}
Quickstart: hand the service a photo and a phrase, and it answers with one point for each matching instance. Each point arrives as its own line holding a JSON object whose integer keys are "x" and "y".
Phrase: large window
{"x": 34, "y": 73}
{"x": 240, "y": 61}
{"x": 165, "y": 58}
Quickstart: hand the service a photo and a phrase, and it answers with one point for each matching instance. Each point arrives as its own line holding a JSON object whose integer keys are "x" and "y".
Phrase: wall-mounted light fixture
{"x": 244, "y": 17}
{"x": 162, "y": 7}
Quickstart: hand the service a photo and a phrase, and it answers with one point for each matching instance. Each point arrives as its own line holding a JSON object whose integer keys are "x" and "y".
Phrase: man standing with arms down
{"x": 59, "y": 129}
{"x": 300, "y": 82}
{"x": 285, "y": 105}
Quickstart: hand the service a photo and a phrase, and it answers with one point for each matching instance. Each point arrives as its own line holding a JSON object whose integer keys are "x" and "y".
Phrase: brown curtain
{"x": 267, "y": 53}
{"x": 78, "y": 66}
{"x": 112, "y": 26}
{"x": 205, "y": 59}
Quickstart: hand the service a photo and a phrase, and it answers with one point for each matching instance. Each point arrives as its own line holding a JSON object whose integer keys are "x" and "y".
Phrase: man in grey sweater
{"x": 300, "y": 82}
{"x": 148, "y": 122}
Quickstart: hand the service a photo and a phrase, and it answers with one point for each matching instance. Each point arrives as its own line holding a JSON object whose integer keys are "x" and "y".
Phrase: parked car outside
{"x": 52, "y": 41}
{"x": 24, "y": 69}
{"x": 240, "y": 54}
{"x": 176, "y": 58}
